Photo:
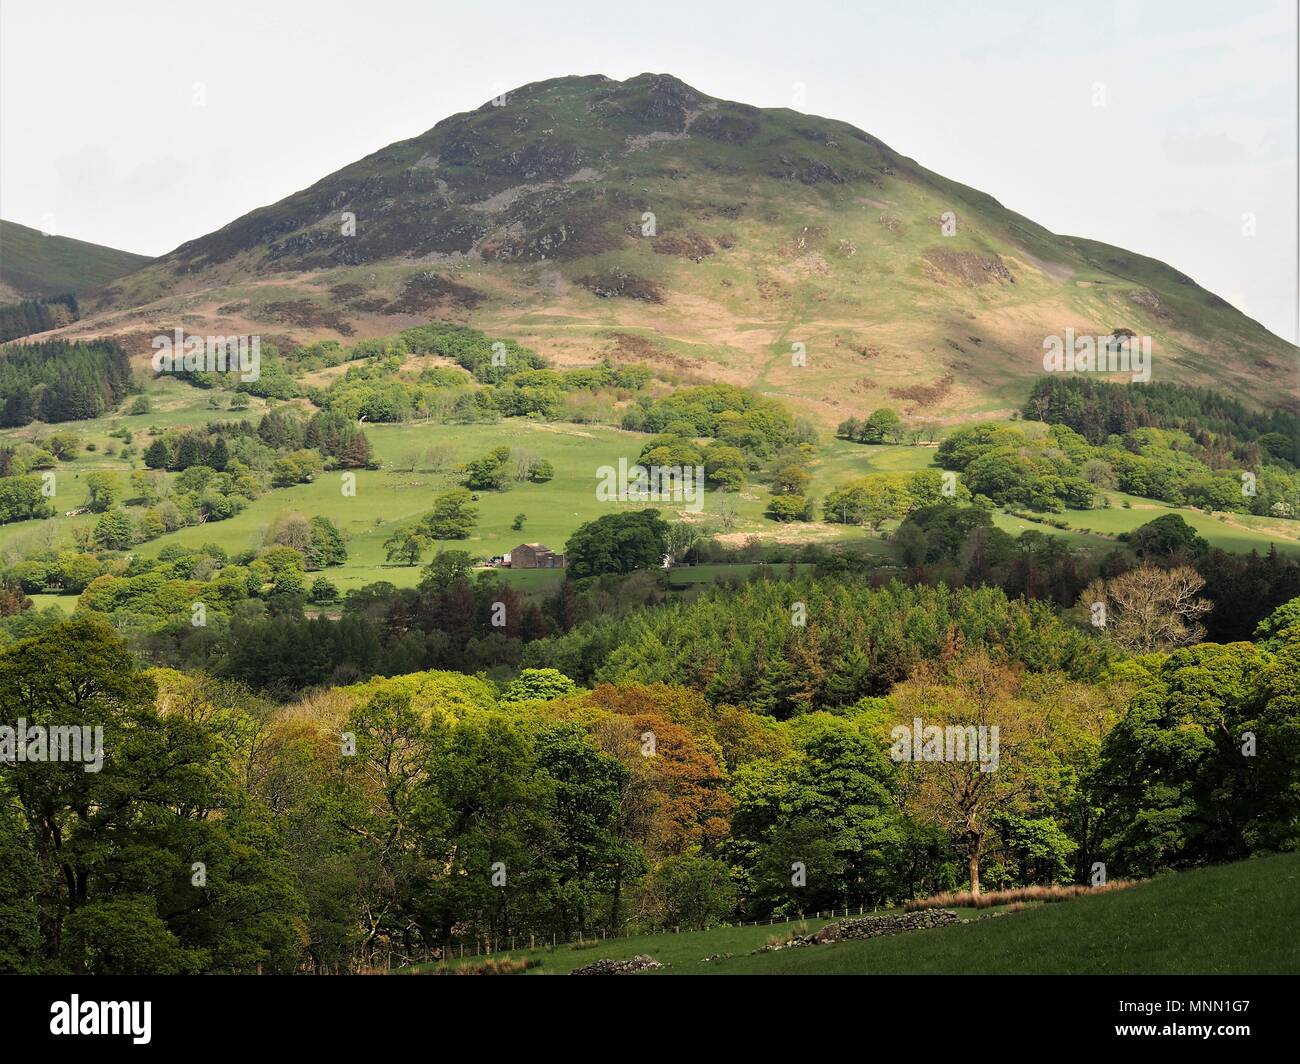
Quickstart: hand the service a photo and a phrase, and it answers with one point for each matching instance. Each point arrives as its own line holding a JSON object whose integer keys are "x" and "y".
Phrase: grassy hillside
{"x": 1229, "y": 920}
{"x": 1226, "y": 920}
{"x": 32, "y": 264}
{"x": 770, "y": 228}
{"x": 397, "y": 495}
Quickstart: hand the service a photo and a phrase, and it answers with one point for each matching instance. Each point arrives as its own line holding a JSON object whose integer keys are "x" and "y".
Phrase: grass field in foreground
{"x": 1227, "y": 920}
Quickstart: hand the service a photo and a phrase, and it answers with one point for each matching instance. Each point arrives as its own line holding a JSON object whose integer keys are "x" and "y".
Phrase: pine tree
{"x": 157, "y": 456}
{"x": 354, "y": 452}
{"x": 189, "y": 452}
{"x": 220, "y": 456}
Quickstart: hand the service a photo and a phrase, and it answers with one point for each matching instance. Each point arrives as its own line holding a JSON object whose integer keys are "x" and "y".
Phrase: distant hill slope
{"x": 33, "y": 265}
{"x": 645, "y": 220}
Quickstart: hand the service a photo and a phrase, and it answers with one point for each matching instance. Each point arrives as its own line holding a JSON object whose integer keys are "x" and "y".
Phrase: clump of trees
{"x": 318, "y": 540}
{"x": 959, "y": 545}
{"x": 489, "y": 473}
{"x": 23, "y": 498}
{"x": 60, "y": 380}
{"x": 453, "y": 515}
{"x": 498, "y": 378}
{"x": 1064, "y": 470}
{"x": 37, "y": 315}
{"x": 1217, "y": 424}
{"x": 878, "y": 497}
{"x": 880, "y": 426}
{"x": 786, "y": 508}
{"x": 744, "y": 645}
{"x": 115, "y": 892}
{"x": 755, "y": 425}
{"x": 457, "y": 810}
{"x": 617, "y": 543}
{"x": 405, "y": 546}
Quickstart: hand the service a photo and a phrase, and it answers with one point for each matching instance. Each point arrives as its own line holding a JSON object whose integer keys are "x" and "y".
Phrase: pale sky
{"x": 101, "y": 137}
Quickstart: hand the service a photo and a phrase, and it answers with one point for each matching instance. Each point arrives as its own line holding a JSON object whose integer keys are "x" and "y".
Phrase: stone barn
{"x": 535, "y": 556}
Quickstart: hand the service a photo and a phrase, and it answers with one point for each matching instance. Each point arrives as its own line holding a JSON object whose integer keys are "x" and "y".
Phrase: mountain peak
{"x": 572, "y": 208}
{"x": 648, "y": 102}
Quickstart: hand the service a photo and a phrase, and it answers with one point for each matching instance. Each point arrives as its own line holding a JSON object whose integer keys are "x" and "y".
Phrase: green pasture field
{"x": 417, "y": 461}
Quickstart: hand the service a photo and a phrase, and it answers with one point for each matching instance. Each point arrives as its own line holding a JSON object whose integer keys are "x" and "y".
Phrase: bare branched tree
{"x": 1149, "y": 609}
